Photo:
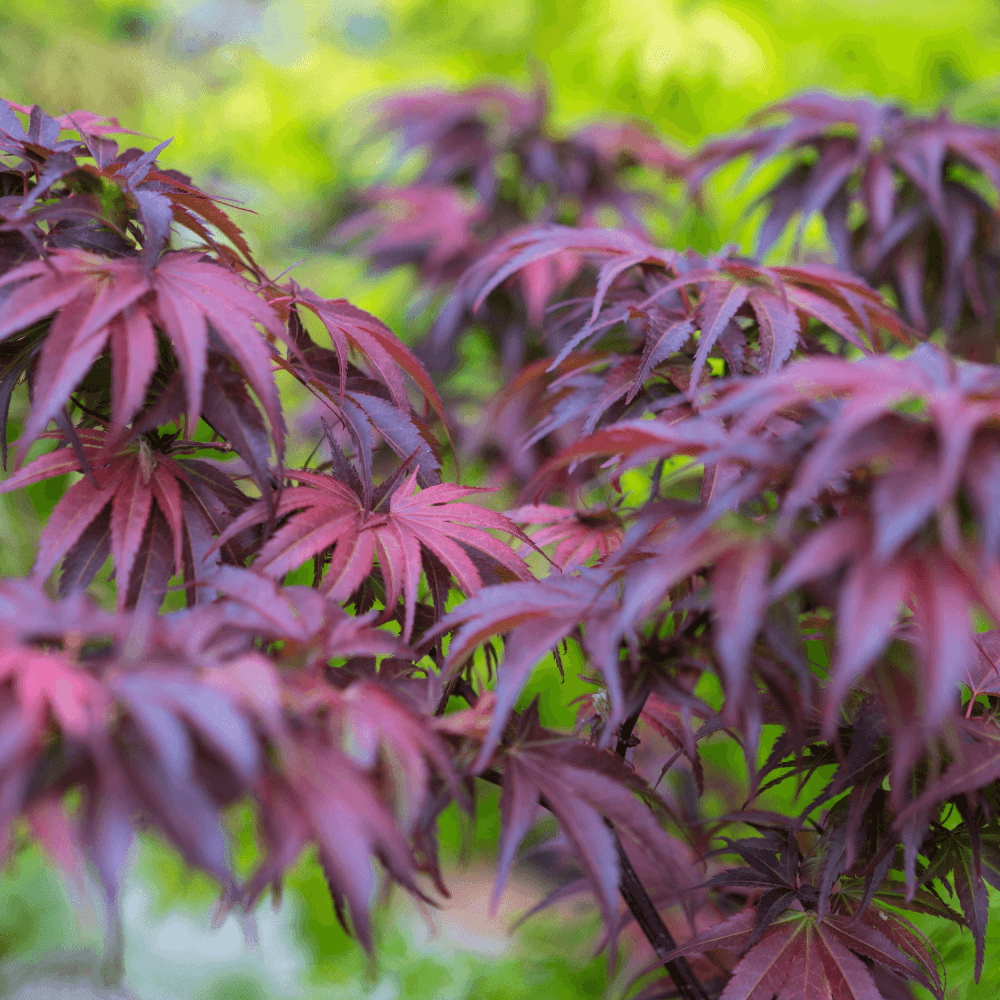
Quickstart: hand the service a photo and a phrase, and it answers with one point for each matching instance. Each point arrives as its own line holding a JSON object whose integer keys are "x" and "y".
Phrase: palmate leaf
{"x": 467, "y": 132}
{"x": 311, "y": 627}
{"x": 356, "y": 765}
{"x": 975, "y": 768}
{"x": 326, "y": 800}
{"x": 100, "y": 303}
{"x": 368, "y": 413}
{"x": 83, "y": 122}
{"x": 165, "y": 196}
{"x": 773, "y": 861}
{"x": 333, "y": 515}
{"x": 922, "y": 477}
{"x": 350, "y": 327}
{"x": 155, "y": 514}
{"x": 140, "y": 201}
{"x": 456, "y": 125}
{"x": 956, "y": 853}
{"x": 577, "y": 535}
{"x": 355, "y": 775}
{"x": 803, "y": 958}
{"x": 155, "y": 197}
{"x": 386, "y": 737}
{"x": 335, "y": 797}
{"x": 585, "y": 393}
{"x": 535, "y": 617}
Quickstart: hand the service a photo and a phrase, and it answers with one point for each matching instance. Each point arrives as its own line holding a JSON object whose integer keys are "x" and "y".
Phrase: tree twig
{"x": 639, "y": 903}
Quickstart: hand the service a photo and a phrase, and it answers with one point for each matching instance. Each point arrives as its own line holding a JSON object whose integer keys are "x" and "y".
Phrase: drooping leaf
{"x": 583, "y": 787}
{"x": 914, "y": 179}
{"x": 536, "y": 617}
{"x": 92, "y": 298}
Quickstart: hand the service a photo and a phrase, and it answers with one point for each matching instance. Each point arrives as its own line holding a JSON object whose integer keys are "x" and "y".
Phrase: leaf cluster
{"x": 757, "y": 517}
{"x": 818, "y": 535}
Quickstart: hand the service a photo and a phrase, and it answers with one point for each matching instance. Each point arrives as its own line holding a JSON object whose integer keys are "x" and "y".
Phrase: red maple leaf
{"x": 690, "y": 293}
{"x": 802, "y": 957}
{"x": 350, "y": 327}
{"x": 331, "y": 514}
{"x": 118, "y": 304}
{"x": 155, "y": 514}
{"x": 534, "y": 618}
{"x": 919, "y": 180}
{"x": 578, "y": 534}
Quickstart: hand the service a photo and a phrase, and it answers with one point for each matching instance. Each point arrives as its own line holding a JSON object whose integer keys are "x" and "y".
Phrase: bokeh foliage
{"x": 267, "y": 100}
{"x": 267, "y": 103}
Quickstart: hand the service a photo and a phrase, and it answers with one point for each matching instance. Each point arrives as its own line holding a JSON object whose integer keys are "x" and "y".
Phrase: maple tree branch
{"x": 635, "y": 895}
{"x": 626, "y": 728}
{"x": 651, "y": 923}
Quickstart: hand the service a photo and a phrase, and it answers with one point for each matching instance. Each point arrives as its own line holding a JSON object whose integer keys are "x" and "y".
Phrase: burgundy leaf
{"x": 332, "y": 515}
{"x": 868, "y": 609}
{"x": 740, "y": 598}
{"x": 779, "y": 329}
{"x": 229, "y": 410}
{"x": 90, "y": 293}
{"x": 391, "y": 359}
{"x": 537, "y": 616}
{"x": 716, "y": 310}
{"x": 518, "y": 809}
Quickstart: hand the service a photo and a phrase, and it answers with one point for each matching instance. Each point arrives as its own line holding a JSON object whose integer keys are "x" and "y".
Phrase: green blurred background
{"x": 266, "y": 103}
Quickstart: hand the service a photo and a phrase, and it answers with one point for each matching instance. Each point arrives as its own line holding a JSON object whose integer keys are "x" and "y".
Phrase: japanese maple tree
{"x": 755, "y": 510}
